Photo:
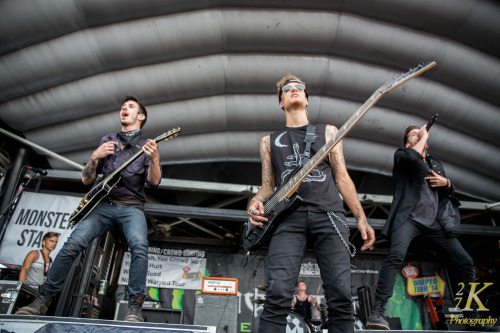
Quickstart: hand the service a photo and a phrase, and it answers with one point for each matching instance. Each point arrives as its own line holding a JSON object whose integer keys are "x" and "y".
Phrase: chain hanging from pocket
{"x": 347, "y": 246}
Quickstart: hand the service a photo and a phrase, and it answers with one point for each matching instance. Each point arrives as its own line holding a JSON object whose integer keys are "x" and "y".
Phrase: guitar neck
{"x": 165, "y": 136}
{"x": 126, "y": 164}
{"x": 289, "y": 189}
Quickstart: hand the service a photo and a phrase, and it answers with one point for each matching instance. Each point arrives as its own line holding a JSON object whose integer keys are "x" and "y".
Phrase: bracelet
{"x": 447, "y": 182}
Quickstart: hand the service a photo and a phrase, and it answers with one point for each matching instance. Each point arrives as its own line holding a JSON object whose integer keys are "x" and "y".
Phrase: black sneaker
{"x": 134, "y": 309}
{"x": 376, "y": 319}
{"x": 39, "y": 306}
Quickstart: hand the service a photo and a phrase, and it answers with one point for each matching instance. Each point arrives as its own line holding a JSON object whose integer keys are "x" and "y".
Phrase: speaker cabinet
{"x": 14, "y": 295}
{"x": 220, "y": 311}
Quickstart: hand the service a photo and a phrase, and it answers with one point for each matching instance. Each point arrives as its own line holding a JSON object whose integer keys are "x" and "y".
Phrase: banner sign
{"x": 35, "y": 215}
{"x": 169, "y": 271}
{"x": 309, "y": 269}
{"x": 426, "y": 285}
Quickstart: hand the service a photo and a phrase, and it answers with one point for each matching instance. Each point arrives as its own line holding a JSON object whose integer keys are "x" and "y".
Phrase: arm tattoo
{"x": 335, "y": 154}
{"x": 90, "y": 169}
{"x": 267, "y": 167}
{"x": 267, "y": 189}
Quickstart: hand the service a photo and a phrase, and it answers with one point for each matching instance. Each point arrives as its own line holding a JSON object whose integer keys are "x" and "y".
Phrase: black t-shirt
{"x": 318, "y": 189}
{"x": 425, "y": 211}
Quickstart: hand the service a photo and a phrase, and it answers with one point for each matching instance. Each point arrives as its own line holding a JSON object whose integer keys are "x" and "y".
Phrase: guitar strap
{"x": 137, "y": 146}
{"x": 309, "y": 140}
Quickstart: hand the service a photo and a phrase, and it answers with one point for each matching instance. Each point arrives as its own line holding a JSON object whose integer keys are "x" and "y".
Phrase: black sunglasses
{"x": 289, "y": 87}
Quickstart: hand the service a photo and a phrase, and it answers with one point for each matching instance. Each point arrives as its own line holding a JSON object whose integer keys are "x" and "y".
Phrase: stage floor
{"x": 47, "y": 324}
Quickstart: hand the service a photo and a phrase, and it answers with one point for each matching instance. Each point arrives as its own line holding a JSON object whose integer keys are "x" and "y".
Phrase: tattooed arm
{"x": 347, "y": 189}
{"x": 268, "y": 183}
{"x": 89, "y": 173}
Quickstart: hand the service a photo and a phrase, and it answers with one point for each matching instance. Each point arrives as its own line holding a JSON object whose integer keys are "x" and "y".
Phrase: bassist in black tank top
{"x": 319, "y": 217}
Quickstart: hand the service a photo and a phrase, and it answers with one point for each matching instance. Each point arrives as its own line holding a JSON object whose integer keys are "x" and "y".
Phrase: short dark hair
{"x": 298, "y": 282}
{"x": 50, "y": 234}
{"x": 407, "y": 131}
{"x": 142, "y": 109}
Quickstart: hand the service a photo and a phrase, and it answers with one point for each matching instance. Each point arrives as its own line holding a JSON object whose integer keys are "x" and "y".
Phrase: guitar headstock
{"x": 399, "y": 80}
{"x": 167, "y": 135}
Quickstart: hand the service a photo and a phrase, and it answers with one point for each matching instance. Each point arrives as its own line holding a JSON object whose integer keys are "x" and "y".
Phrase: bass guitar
{"x": 286, "y": 200}
{"x": 102, "y": 190}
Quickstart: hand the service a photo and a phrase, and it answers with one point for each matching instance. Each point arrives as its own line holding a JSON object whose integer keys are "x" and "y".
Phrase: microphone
{"x": 431, "y": 122}
{"x": 37, "y": 170}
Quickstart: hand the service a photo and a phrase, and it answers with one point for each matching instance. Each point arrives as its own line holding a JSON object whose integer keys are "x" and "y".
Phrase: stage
{"x": 48, "y": 324}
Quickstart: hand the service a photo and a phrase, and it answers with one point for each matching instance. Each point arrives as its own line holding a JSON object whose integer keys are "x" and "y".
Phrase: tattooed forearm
{"x": 267, "y": 166}
{"x": 330, "y": 132}
{"x": 259, "y": 197}
{"x": 336, "y": 155}
{"x": 89, "y": 171}
{"x": 268, "y": 182}
{"x": 341, "y": 177}
{"x": 334, "y": 164}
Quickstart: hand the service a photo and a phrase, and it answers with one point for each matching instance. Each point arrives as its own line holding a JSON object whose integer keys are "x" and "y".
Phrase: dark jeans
{"x": 131, "y": 221}
{"x": 400, "y": 241}
{"x": 286, "y": 250}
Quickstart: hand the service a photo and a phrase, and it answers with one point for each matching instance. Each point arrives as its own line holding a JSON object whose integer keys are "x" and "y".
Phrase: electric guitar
{"x": 286, "y": 200}
{"x": 102, "y": 190}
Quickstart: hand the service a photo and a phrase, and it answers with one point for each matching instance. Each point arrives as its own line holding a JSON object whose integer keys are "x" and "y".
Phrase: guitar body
{"x": 92, "y": 198}
{"x": 256, "y": 237}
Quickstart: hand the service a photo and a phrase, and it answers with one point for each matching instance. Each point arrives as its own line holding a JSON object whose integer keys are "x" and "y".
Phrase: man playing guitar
{"x": 123, "y": 208}
{"x": 319, "y": 217}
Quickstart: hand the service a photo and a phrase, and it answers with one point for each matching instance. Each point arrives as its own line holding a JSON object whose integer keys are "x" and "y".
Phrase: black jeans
{"x": 286, "y": 251}
{"x": 400, "y": 241}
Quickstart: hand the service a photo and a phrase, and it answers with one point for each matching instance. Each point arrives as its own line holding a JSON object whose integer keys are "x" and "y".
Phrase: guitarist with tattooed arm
{"x": 122, "y": 208}
{"x": 317, "y": 216}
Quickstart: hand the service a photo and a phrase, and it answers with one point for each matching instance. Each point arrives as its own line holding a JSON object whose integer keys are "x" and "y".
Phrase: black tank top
{"x": 318, "y": 190}
{"x": 303, "y": 308}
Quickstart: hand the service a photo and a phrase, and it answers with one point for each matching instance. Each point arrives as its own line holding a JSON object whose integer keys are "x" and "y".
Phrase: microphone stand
{"x": 9, "y": 210}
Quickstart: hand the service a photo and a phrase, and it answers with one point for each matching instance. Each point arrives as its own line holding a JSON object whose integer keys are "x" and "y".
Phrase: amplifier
{"x": 14, "y": 295}
{"x": 220, "y": 311}
{"x": 151, "y": 315}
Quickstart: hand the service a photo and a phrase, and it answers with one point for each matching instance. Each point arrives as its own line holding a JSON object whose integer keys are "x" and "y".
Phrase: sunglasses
{"x": 289, "y": 87}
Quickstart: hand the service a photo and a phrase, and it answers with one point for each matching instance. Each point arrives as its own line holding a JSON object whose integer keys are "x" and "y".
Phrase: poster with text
{"x": 168, "y": 271}
{"x": 35, "y": 215}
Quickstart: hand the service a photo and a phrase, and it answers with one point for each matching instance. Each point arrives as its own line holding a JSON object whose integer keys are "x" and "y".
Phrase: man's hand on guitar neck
{"x": 151, "y": 151}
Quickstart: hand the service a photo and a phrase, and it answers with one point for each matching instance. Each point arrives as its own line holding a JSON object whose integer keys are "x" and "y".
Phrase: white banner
{"x": 168, "y": 271}
{"x": 35, "y": 215}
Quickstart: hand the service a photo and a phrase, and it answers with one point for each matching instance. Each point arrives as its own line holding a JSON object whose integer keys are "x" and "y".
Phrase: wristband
{"x": 447, "y": 183}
